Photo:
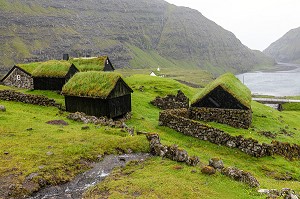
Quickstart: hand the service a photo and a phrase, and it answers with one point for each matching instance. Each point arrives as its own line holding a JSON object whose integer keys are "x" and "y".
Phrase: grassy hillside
{"x": 73, "y": 148}
{"x": 287, "y": 48}
{"x": 125, "y": 30}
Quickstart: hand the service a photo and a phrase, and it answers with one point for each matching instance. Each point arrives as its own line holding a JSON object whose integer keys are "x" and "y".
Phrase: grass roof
{"x": 30, "y": 67}
{"x": 91, "y": 84}
{"x": 232, "y": 85}
{"x": 89, "y": 64}
{"x": 52, "y": 68}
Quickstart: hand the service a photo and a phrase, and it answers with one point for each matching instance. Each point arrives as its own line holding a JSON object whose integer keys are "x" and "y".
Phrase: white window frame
{"x": 18, "y": 77}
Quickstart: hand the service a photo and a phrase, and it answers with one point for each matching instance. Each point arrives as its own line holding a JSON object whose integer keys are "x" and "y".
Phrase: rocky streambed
{"x": 82, "y": 182}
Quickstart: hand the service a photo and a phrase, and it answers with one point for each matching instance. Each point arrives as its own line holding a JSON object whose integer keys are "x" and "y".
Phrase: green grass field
{"x": 155, "y": 178}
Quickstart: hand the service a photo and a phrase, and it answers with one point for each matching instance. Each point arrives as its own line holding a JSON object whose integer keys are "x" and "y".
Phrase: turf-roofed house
{"x": 101, "y": 63}
{"x": 225, "y": 100}
{"x": 98, "y": 94}
{"x": 53, "y": 74}
{"x": 20, "y": 76}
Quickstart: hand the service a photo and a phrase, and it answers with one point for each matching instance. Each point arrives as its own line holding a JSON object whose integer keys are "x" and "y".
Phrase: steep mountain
{"x": 287, "y": 48}
{"x": 133, "y": 33}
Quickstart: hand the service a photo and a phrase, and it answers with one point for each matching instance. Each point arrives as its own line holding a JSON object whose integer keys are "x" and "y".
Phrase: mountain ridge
{"x": 287, "y": 48}
{"x": 39, "y": 30}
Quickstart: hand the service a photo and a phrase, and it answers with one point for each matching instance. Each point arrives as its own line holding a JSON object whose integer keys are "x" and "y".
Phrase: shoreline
{"x": 282, "y": 67}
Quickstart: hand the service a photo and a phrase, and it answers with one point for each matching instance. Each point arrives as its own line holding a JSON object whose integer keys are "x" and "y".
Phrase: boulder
{"x": 2, "y": 108}
{"x": 209, "y": 170}
{"x": 216, "y": 163}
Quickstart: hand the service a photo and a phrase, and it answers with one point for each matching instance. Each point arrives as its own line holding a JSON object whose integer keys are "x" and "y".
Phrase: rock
{"x": 217, "y": 163}
{"x": 122, "y": 158}
{"x": 49, "y": 153}
{"x": 193, "y": 171}
{"x": 263, "y": 191}
{"x": 29, "y": 129}
{"x": 31, "y": 176}
{"x": 12, "y": 186}
{"x": 129, "y": 151}
{"x": 193, "y": 161}
{"x": 241, "y": 176}
{"x": 209, "y": 170}
{"x": 2, "y": 108}
{"x": 6, "y": 153}
{"x": 57, "y": 122}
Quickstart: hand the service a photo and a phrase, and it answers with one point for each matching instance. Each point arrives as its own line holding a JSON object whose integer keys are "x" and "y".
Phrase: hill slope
{"x": 172, "y": 36}
{"x": 287, "y": 48}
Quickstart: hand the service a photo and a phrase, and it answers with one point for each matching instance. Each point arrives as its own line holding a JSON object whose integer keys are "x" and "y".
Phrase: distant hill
{"x": 287, "y": 48}
{"x": 138, "y": 34}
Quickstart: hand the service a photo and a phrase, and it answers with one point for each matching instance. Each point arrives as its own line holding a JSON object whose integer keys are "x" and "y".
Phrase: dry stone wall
{"x": 171, "y": 101}
{"x": 233, "y": 117}
{"x": 172, "y": 152}
{"x": 10, "y": 95}
{"x": 178, "y": 120}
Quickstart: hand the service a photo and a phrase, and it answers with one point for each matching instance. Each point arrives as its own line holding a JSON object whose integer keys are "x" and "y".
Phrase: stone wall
{"x": 172, "y": 101}
{"x": 10, "y": 95}
{"x": 234, "y": 117}
{"x": 172, "y": 152}
{"x": 177, "y": 119}
{"x": 287, "y": 150}
{"x": 22, "y": 81}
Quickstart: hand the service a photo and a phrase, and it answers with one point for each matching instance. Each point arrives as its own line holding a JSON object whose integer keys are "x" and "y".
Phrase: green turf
{"x": 157, "y": 178}
{"x": 91, "y": 84}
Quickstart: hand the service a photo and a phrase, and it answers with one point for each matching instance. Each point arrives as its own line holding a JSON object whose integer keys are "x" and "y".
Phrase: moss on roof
{"x": 232, "y": 85}
{"x": 52, "y": 68}
{"x": 90, "y": 64}
{"x": 29, "y": 67}
{"x": 91, "y": 84}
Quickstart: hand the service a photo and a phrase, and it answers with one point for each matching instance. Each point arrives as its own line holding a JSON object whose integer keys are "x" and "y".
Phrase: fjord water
{"x": 279, "y": 83}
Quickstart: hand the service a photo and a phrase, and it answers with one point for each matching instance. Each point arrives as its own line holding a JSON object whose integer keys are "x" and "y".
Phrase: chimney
{"x": 66, "y": 57}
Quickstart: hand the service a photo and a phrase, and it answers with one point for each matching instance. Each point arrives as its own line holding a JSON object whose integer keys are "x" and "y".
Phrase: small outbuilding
{"x": 53, "y": 74}
{"x": 101, "y": 63}
{"x": 19, "y": 76}
{"x": 98, "y": 94}
{"x": 226, "y": 92}
{"x": 225, "y": 100}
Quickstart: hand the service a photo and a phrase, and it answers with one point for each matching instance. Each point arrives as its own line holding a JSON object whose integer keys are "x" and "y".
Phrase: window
{"x": 107, "y": 61}
{"x": 18, "y": 77}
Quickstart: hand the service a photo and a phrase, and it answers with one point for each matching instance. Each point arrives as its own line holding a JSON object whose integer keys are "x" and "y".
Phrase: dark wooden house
{"x": 52, "y": 75}
{"x": 226, "y": 100}
{"x": 98, "y": 94}
{"x": 101, "y": 63}
{"x": 19, "y": 76}
{"x": 226, "y": 92}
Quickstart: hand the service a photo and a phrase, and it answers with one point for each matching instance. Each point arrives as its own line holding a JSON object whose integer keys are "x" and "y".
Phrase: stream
{"x": 75, "y": 188}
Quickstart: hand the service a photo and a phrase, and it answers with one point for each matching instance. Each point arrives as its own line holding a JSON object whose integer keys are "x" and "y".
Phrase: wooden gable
{"x": 220, "y": 98}
{"x": 108, "y": 66}
{"x": 120, "y": 89}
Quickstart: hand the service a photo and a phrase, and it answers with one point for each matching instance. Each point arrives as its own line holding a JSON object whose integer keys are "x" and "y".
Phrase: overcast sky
{"x": 257, "y": 23}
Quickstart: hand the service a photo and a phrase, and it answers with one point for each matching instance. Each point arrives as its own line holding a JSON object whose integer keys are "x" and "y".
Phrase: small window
{"x": 107, "y": 61}
{"x": 18, "y": 77}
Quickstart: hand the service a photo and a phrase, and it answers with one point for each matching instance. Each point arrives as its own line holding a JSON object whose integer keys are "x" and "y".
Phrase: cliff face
{"x": 133, "y": 33}
{"x": 287, "y": 48}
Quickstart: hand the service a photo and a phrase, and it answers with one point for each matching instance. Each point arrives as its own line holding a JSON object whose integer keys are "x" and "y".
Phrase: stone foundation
{"x": 234, "y": 117}
{"x": 10, "y": 95}
{"x": 178, "y": 120}
{"x": 171, "y": 101}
